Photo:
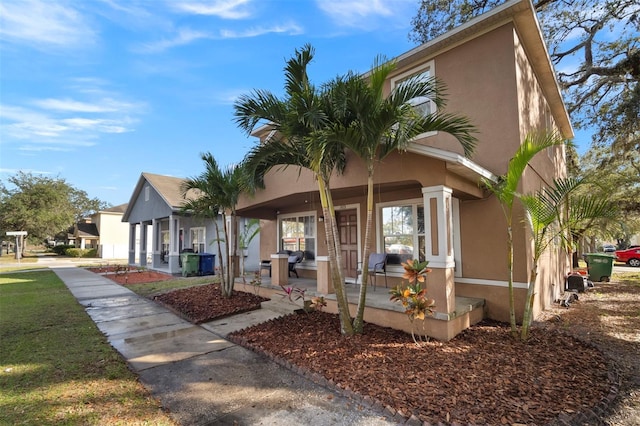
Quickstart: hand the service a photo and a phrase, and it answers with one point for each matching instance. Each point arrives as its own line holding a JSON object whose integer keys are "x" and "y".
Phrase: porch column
{"x": 280, "y": 269}
{"x": 438, "y": 221}
{"x": 143, "y": 244}
{"x": 325, "y": 284}
{"x": 174, "y": 244}
{"x": 155, "y": 250}
{"x": 132, "y": 244}
{"x": 82, "y": 243}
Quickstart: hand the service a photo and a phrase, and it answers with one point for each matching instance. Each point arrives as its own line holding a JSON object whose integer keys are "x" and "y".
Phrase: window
{"x": 403, "y": 232}
{"x": 198, "y": 240}
{"x": 422, "y": 104}
{"x": 164, "y": 237}
{"x": 146, "y": 193}
{"x": 299, "y": 233}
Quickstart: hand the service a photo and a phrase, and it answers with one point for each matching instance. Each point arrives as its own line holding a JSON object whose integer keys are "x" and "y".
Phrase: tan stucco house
{"x": 105, "y": 232}
{"x": 430, "y": 202}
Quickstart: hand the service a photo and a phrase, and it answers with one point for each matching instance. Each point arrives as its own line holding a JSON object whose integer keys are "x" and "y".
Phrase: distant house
{"x": 430, "y": 203}
{"x": 155, "y": 214}
{"x": 104, "y": 231}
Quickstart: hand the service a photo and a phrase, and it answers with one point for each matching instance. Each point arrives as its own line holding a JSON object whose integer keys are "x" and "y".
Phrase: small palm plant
{"x": 413, "y": 296}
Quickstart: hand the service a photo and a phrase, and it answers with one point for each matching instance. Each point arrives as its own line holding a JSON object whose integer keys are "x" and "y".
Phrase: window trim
{"x": 414, "y": 203}
{"x": 204, "y": 237}
{"x": 431, "y": 67}
{"x": 314, "y": 216}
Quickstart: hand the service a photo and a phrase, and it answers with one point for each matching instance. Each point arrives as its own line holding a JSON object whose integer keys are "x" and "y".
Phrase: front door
{"x": 348, "y": 230}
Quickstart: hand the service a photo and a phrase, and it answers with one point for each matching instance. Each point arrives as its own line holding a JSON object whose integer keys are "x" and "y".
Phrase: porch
{"x": 380, "y": 309}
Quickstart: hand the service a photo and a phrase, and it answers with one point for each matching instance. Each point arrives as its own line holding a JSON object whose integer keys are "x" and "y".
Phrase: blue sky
{"x": 99, "y": 91}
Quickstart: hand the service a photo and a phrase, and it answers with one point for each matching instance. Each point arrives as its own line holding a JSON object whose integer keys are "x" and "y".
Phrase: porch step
{"x": 279, "y": 305}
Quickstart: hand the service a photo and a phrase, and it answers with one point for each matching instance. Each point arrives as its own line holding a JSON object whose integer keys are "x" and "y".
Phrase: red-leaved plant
{"x": 413, "y": 296}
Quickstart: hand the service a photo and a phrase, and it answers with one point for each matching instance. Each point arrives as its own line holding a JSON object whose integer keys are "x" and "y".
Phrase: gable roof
{"x": 523, "y": 16}
{"x": 116, "y": 209}
{"x": 86, "y": 230}
{"x": 169, "y": 188}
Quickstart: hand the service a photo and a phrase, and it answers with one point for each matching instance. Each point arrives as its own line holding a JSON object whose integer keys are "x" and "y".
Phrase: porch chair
{"x": 377, "y": 266}
{"x": 266, "y": 263}
{"x": 295, "y": 258}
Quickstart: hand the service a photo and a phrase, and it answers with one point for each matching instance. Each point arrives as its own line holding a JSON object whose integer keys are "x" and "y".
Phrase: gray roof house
{"x": 155, "y": 214}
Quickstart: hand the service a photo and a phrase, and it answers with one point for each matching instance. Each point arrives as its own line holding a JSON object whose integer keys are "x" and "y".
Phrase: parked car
{"x": 608, "y": 248}
{"x": 629, "y": 256}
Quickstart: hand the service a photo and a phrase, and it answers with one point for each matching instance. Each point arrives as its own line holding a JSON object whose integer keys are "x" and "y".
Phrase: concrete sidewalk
{"x": 200, "y": 377}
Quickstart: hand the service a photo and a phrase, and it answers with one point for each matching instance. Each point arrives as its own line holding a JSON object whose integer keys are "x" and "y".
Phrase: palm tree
{"x": 553, "y": 212}
{"x": 373, "y": 126}
{"x": 505, "y": 190}
{"x": 217, "y": 192}
{"x": 294, "y": 122}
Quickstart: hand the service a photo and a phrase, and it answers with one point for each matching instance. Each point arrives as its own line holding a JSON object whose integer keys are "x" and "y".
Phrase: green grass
{"x": 149, "y": 289}
{"x": 630, "y": 277}
{"x": 55, "y": 365}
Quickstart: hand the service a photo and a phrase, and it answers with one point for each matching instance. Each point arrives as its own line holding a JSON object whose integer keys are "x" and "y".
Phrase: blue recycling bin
{"x": 207, "y": 264}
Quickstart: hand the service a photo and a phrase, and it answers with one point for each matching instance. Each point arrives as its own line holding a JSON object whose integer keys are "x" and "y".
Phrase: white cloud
{"x": 368, "y": 14}
{"x": 184, "y": 36}
{"x": 43, "y": 24}
{"x": 226, "y": 9}
{"x": 70, "y": 105}
{"x": 291, "y": 29}
{"x": 66, "y": 123}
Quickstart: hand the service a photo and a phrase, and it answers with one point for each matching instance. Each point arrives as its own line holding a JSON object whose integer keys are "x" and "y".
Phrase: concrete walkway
{"x": 200, "y": 377}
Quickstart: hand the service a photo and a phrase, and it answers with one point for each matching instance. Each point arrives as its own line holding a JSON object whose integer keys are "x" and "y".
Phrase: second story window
{"x": 424, "y": 73}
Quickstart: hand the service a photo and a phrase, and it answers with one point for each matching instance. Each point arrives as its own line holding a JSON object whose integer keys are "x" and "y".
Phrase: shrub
{"x": 76, "y": 252}
{"x": 61, "y": 249}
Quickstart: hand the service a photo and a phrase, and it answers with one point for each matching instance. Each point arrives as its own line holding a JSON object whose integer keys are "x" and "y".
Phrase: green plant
{"x": 256, "y": 282}
{"x": 413, "y": 296}
{"x": 77, "y": 252}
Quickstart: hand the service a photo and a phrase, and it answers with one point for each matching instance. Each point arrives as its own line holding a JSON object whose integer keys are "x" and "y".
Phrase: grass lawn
{"x": 55, "y": 365}
{"x": 8, "y": 263}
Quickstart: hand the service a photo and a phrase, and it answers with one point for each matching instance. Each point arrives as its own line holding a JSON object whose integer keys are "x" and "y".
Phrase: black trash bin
{"x": 207, "y": 264}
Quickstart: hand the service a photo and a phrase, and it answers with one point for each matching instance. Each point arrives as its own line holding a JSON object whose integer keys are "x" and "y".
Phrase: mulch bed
{"x": 132, "y": 276}
{"x": 204, "y": 303}
{"x": 480, "y": 377}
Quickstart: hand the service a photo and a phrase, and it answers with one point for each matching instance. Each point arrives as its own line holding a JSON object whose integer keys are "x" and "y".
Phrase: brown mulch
{"x": 204, "y": 303}
{"x": 132, "y": 276}
{"x": 581, "y": 365}
{"x": 480, "y": 377}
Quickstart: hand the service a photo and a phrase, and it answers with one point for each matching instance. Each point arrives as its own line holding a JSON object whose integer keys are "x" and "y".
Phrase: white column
{"x": 438, "y": 219}
{"x": 143, "y": 244}
{"x": 132, "y": 243}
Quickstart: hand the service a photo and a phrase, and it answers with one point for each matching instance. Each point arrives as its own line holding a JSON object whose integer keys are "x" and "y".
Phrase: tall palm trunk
{"x": 359, "y": 320}
{"x": 528, "y": 308}
{"x": 220, "y": 255}
{"x": 512, "y": 304}
{"x": 333, "y": 245}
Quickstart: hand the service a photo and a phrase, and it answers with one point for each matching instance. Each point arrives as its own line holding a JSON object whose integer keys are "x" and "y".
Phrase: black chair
{"x": 266, "y": 264}
{"x": 377, "y": 266}
{"x": 295, "y": 258}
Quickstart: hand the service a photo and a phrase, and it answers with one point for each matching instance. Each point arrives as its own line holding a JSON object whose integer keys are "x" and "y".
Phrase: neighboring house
{"x": 105, "y": 232}
{"x": 155, "y": 212}
{"x": 430, "y": 202}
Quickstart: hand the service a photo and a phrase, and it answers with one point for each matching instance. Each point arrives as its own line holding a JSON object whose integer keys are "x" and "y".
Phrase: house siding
{"x": 489, "y": 79}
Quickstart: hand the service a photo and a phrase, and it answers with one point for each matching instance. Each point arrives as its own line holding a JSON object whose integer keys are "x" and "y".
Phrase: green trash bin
{"x": 600, "y": 266}
{"x": 190, "y": 264}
